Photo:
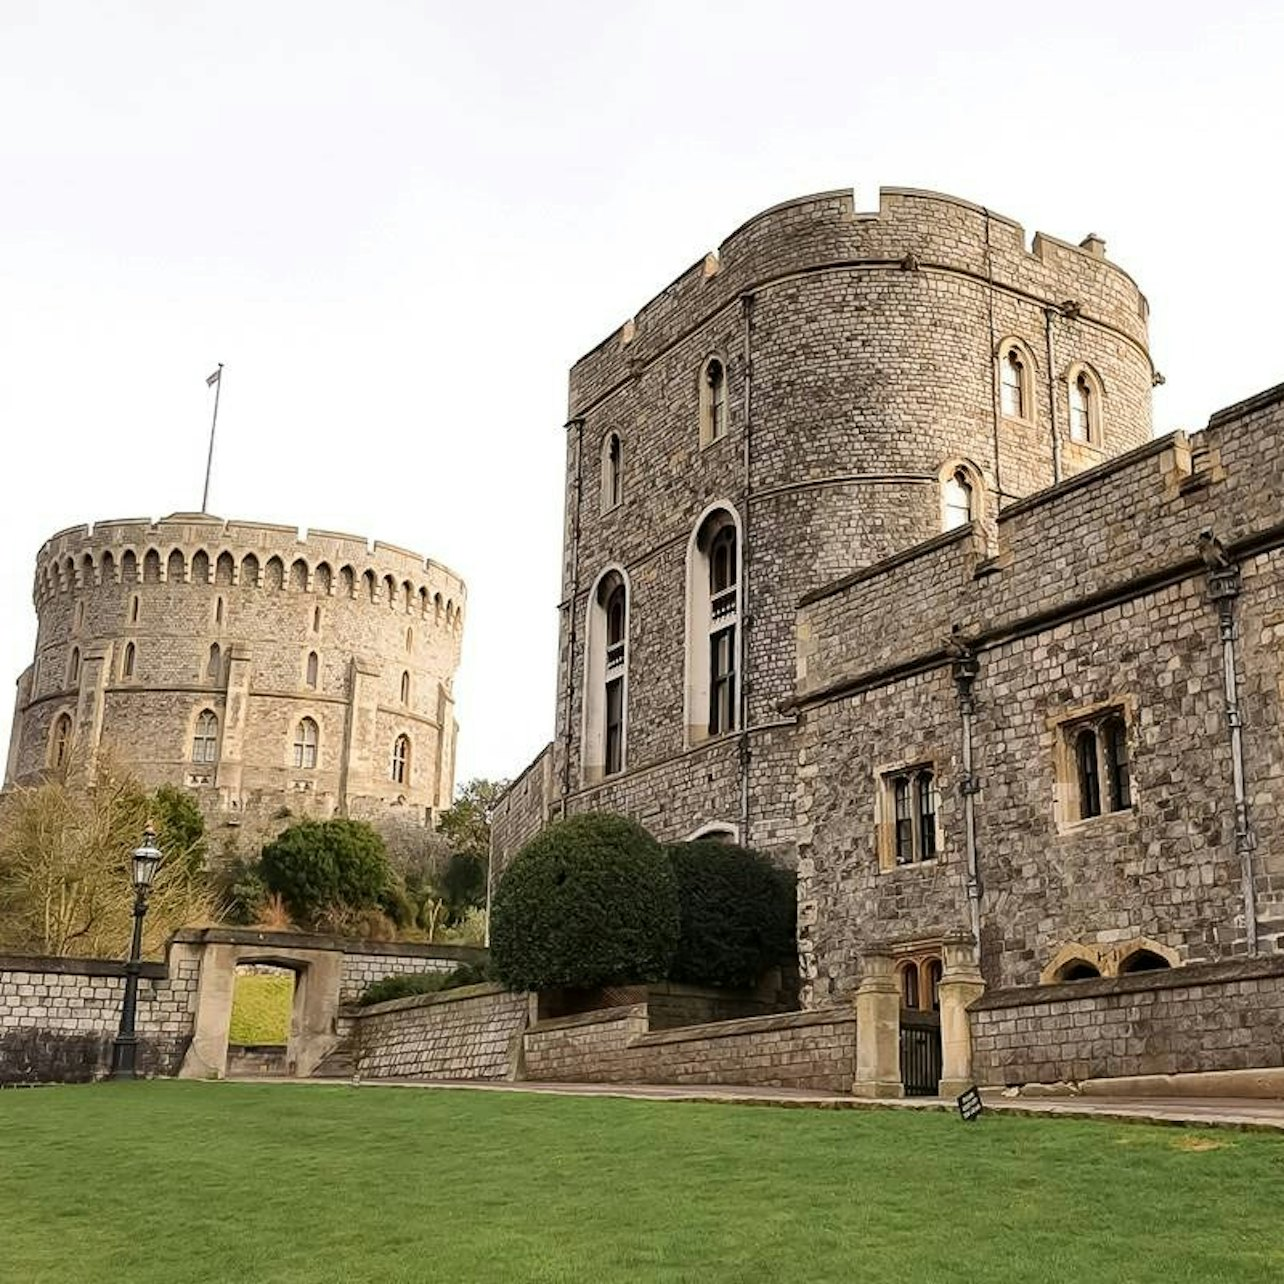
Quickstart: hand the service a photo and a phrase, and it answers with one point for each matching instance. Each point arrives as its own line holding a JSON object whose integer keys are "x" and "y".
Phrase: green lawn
{"x": 261, "y": 1009}
{"x": 194, "y": 1182}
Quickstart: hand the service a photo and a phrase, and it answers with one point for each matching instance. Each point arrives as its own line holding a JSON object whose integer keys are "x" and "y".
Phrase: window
{"x": 957, "y": 499}
{"x": 316, "y": 619}
{"x": 713, "y": 401}
{"x": 313, "y": 666}
{"x": 218, "y": 612}
{"x": 305, "y": 744}
{"x": 1085, "y": 406}
{"x": 205, "y": 738}
{"x": 60, "y": 741}
{"x": 909, "y": 985}
{"x": 713, "y": 628}
{"x": 214, "y": 664}
{"x": 133, "y": 609}
{"x": 920, "y": 983}
{"x": 405, "y": 688}
{"x": 410, "y": 641}
{"x": 909, "y": 800}
{"x": 606, "y": 676}
{"x": 401, "y": 760}
{"x": 1098, "y": 761}
{"x": 78, "y": 617}
{"x": 1016, "y": 388}
{"x": 73, "y": 667}
{"x": 612, "y": 472}
{"x": 1077, "y": 970}
{"x": 128, "y": 660}
{"x": 1143, "y": 961}
{"x": 933, "y": 974}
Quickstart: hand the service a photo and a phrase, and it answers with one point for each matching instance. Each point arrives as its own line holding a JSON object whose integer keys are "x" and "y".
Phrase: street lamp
{"x": 143, "y": 865}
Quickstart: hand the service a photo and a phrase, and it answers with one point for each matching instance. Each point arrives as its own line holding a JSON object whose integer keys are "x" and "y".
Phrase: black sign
{"x": 970, "y": 1105}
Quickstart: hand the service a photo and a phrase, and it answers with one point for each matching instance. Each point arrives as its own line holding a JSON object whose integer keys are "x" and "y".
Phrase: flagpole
{"x": 209, "y": 459}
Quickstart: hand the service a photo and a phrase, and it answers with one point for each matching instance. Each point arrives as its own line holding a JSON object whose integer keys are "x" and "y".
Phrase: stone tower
{"x": 828, "y": 390}
{"x": 268, "y": 670}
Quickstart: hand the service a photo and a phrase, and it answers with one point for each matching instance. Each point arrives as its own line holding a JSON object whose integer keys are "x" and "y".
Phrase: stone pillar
{"x": 961, "y": 985}
{"x": 95, "y": 668}
{"x": 207, "y": 1055}
{"x": 316, "y": 1011}
{"x": 236, "y": 716}
{"x": 356, "y": 771}
{"x": 20, "y": 703}
{"x": 878, "y": 1030}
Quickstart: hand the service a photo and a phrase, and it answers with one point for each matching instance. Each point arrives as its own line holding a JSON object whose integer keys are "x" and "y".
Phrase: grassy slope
{"x": 261, "y": 1009}
{"x": 250, "y": 1182}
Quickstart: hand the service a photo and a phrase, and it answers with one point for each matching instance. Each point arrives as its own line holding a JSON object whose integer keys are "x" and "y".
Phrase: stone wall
{"x": 815, "y": 1050}
{"x": 470, "y": 1033}
{"x": 142, "y": 626}
{"x": 365, "y": 965}
{"x": 58, "y": 1017}
{"x": 1209, "y": 1017}
{"x": 1092, "y": 595}
{"x": 859, "y": 351}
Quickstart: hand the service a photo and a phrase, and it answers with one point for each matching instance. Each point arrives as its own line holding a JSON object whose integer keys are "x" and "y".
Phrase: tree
{"x": 737, "y": 913}
{"x": 465, "y": 825}
{"x": 65, "y": 869}
{"x": 588, "y": 901}
{"x": 329, "y": 872}
{"x": 180, "y": 827}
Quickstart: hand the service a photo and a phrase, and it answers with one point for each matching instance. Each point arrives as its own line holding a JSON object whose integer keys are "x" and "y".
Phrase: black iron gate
{"x": 920, "y": 1052}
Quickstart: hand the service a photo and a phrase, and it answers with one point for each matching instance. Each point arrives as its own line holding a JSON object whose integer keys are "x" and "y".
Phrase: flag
{"x": 213, "y": 379}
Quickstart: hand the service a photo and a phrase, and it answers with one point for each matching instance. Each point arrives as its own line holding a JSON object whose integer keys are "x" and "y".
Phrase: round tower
{"x": 270, "y": 670}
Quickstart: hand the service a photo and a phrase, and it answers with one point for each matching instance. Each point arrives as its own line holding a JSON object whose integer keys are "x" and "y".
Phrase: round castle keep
{"x": 267, "y": 669}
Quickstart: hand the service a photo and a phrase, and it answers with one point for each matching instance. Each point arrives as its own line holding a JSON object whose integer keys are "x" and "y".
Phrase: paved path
{"x": 1214, "y": 1112}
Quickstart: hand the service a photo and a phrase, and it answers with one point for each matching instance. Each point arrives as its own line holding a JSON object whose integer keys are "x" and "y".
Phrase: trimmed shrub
{"x": 737, "y": 914}
{"x": 589, "y": 901}
{"x": 406, "y": 984}
{"x": 326, "y": 870}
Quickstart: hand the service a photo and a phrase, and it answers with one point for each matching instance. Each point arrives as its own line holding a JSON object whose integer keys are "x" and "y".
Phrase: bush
{"x": 407, "y": 984}
{"x": 737, "y": 914}
{"x": 328, "y": 871}
{"x": 588, "y": 901}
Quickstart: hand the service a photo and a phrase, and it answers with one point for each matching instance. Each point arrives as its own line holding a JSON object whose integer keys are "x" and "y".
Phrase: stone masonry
{"x": 860, "y": 356}
{"x": 146, "y": 626}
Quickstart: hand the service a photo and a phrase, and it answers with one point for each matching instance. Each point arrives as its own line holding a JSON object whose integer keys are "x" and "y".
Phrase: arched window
{"x": 401, "y": 760}
{"x": 713, "y": 401}
{"x": 133, "y": 609}
{"x": 909, "y": 985}
{"x": 127, "y": 660}
{"x": 60, "y": 741}
{"x": 1085, "y": 406}
{"x": 1078, "y": 970}
{"x": 205, "y": 738}
{"x": 249, "y": 571}
{"x": 299, "y": 574}
{"x": 200, "y": 567}
{"x": 713, "y": 627}
{"x": 1015, "y": 384}
{"x": 274, "y": 574}
{"x": 606, "y": 676}
{"x": 218, "y": 612}
{"x": 405, "y": 687}
{"x": 316, "y": 619}
{"x": 214, "y": 664}
{"x": 932, "y": 975}
{"x": 129, "y": 567}
{"x": 313, "y": 666}
{"x": 612, "y": 471}
{"x": 305, "y": 744}
{"x": 1102, "y": 768}
{"x": 1143, "y": 961}
{"x": 957, "y": 499}
{"x": 73, "y": 667}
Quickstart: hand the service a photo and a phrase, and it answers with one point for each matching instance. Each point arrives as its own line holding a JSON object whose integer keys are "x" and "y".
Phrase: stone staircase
{"x": 339, "y": 1063}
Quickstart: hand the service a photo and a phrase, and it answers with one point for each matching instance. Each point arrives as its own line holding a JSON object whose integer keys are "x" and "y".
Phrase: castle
{"x": 270, "y": 671}
{"x": 871, "y": 562}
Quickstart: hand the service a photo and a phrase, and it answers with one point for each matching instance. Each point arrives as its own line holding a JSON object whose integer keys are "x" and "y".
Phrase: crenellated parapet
{"x": 911, "y": 231}
{"x": 198, "y": 549}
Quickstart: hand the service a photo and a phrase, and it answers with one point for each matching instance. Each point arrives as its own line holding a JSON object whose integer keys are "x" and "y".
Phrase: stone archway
{"x": 317, "y": 975}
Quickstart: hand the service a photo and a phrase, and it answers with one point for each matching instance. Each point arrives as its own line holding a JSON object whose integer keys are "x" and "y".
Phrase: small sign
{"x": 970, "y": 1105}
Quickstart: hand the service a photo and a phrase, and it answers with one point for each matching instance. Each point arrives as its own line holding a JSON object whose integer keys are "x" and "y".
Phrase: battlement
{"x": 1130, "y": 526}
{"x": 202, "y": 549}
{"x": 911, "y": 230}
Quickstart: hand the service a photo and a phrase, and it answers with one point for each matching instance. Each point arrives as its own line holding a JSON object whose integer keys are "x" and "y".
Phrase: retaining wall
{"x": 1197, "y": 1019}
{"x": 793, "y": 1050}
{"x": 473, "y": 1032}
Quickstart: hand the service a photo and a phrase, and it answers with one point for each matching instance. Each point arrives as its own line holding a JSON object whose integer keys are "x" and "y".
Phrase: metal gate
{"x": 920, "y": 1052}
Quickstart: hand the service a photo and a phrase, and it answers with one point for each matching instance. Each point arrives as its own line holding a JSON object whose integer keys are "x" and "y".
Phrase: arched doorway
{"x": 264, "y": 998}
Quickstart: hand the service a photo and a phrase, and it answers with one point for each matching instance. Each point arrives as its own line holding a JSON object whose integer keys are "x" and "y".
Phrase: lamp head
{"x": 145, "y": 860}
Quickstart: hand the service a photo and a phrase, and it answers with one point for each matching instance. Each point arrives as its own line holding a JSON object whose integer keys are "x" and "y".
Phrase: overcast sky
{"x": 398, "y": 224}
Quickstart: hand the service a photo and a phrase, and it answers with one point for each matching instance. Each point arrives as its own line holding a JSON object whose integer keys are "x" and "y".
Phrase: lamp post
{"x": 143, "y": 865}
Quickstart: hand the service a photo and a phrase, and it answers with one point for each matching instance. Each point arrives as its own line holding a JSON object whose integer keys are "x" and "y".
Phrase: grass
{"x": 285, "y": 1184}
{"x": 261, "y": 1008}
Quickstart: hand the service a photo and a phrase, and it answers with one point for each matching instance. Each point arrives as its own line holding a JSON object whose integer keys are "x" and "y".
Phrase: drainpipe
{"x": 573, "y": 599}
{"x": 966, "y": 669}
{"x": 1048, "y": 313}
{"x": 1224, "y": 589}
{"x": 746, "y": 619}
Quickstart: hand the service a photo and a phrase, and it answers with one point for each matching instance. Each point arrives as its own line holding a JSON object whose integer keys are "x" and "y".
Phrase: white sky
{"x": 400, "y": 223}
